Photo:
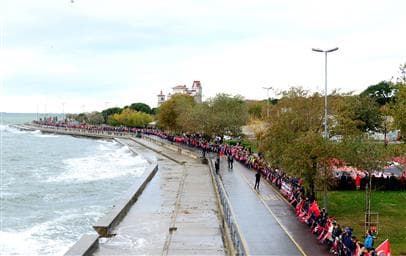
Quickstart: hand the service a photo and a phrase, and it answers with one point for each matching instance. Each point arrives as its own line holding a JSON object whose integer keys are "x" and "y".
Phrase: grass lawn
{"x": 348, "y": 209}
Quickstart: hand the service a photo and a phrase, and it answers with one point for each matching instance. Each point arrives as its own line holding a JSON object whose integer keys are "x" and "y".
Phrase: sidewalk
{"x": 175, "y": 215}
{"x": 267, "y": 222}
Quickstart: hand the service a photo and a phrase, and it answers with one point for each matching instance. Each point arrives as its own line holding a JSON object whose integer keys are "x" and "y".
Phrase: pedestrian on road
{"x": 230, "y": 160}
{"x": 257, "y": 179}
{"x": 217, "y": 165}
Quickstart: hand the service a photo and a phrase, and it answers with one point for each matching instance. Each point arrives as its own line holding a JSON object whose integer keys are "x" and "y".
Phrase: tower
{"x": 197, "y": 88}
{"x": 161, "y": 98}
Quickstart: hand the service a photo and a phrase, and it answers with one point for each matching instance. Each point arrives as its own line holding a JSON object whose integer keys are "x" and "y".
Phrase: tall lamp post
{"x": 63, "y": 111}
{"x": 267, "y": 99}
{"x": 325, "y": 200}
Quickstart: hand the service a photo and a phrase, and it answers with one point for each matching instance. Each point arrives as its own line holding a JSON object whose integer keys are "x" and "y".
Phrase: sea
{"x": 55, "y": 187}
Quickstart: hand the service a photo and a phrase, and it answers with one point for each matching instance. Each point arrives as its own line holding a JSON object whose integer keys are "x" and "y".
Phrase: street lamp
{"x": 325, "y": 199}
{"x": 325, "y": 85}
{"x": 63, "y": 111}
{"x": 267, "y": 95}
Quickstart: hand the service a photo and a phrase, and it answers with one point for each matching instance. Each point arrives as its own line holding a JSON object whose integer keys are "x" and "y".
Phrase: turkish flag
{"x": 383, "y": 249}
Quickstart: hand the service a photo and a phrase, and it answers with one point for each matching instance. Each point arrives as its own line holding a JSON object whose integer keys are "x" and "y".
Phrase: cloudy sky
{"x": 92, "y": 54}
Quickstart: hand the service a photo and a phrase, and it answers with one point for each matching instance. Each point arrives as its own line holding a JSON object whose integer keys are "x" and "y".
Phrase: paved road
{"x": 268, "y": 224}
{"x": 180, "y": 197}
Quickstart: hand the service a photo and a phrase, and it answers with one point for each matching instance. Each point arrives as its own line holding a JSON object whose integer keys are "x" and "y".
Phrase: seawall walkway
{"x": 178, "y": 212}
{"x": 175, "y": 215}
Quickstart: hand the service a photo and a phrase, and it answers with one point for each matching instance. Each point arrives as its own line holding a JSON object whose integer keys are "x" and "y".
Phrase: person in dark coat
{"x": 230, "y": 161}
{"x": 217, "y": 165}
{"x": 257, "y": 179}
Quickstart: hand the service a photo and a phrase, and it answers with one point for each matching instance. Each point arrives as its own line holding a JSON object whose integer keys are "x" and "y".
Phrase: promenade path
{"x": 267, "y": 222}
{"x": 175, "y": 215}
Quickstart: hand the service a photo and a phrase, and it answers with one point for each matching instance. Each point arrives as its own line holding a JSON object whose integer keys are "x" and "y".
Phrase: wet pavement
{"x": 268, "y": 223}
{"x": 175, "y": 215}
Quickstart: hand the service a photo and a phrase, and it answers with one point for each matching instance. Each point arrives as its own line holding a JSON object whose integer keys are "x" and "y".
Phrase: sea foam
{"x": 105, "y": 163}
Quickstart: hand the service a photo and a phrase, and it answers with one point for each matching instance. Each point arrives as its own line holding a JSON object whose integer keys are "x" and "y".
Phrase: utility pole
{"x": 326, "y": 136}
{"x": 267, "y": 99}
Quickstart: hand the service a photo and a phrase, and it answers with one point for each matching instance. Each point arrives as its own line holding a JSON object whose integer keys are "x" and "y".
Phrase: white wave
{"x": 28, "y": 242}
{"x": 107, "y": 142}
{"x": 47, "y": 135}
{"x": 9, "y": 129}
{"x": 104, "y": 164}
{"x": 49, "y": 237}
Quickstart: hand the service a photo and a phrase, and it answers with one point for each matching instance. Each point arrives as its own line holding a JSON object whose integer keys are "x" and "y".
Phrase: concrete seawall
{"x": 89, "y": 244}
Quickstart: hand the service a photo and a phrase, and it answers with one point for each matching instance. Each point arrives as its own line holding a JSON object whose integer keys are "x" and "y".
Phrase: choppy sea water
{"x": 55, "y": 187}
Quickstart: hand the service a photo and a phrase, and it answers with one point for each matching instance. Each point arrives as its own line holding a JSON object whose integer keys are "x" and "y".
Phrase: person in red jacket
{"x": 358, "y": 182}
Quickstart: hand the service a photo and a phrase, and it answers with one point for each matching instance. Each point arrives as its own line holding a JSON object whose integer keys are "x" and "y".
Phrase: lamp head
{"x": 317, "y": 50}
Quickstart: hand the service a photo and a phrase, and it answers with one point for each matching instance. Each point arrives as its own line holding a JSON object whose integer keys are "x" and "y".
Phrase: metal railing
{"x": 238, "y": 241}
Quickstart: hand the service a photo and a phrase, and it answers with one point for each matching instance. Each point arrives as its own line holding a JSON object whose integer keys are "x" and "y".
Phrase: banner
{"x": 383, "y": 249}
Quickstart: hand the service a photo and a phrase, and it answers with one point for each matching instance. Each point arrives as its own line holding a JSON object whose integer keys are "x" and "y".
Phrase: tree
{"x": 364, "y": 113}
{"x": 95, "y": 118}
{"x": 154, "y": 111}
{"x": 401, "y": 79}
{"x": 382, "y": 92}
{"x": 255, "y": 109}
{"x": 308, "y": 156}
{"x": 172, "y": 113}
{"x": 81, "y": 118}
{"x": 226, "y": 115}
{"x": 141, "y": 107}
{"x": 365, "y": 155}
{"x": 110, "y": 111}
{"x": 399, "y": 111}
{"x": 130, "y": 118}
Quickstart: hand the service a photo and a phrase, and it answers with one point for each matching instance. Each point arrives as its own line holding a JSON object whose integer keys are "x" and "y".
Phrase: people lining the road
{"x": 341, "y": 242}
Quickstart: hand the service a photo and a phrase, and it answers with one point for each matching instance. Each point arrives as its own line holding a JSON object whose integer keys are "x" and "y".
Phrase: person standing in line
{"x": 257, "y": 179}
{"x": 357, "y": 182}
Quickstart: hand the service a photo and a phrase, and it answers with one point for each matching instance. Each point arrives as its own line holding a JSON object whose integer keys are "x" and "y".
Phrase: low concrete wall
{"x": 173, "y": 147}
{"x": 105, "y": 225}
{"x": 85, "y": 246}
{"x": 71, "y": 131}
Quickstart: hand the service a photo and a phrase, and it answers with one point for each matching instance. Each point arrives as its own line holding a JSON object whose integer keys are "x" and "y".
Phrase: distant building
{"x": 161, "y": 98}
{"x": 195, "y": 91}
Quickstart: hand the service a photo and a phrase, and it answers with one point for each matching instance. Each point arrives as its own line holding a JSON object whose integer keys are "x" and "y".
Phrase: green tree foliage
{"x": 226, "y": 115}
{"x": 364, "y": 155}
{"x": 81, "y": 118}
{"x": 130, "y": 118}
{"x": 95, "y": 118}
{"x": 363, "y": 112}
{"x": 256, "y": 108}
{"x": 382, "y": 92}
{"x": 221, "y": 115}
{"x": 308, "y": 156}
{"x": 361, "y": 153}
{"x": 401, "y": 79}
{"x": 399, "y": 111}
{"x": 294, "y": 140}
{"x": 141, "y": 107}
{"x": 110, "y": 111}
{"x": 154, "y": 111}
{"x": 174, "y": 113}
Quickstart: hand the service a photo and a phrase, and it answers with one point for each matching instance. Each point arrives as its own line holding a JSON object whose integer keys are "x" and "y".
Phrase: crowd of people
{"x": 341, "y": 241}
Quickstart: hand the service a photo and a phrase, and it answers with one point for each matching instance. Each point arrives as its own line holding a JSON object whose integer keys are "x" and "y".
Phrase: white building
{"x": 195, "y": 91}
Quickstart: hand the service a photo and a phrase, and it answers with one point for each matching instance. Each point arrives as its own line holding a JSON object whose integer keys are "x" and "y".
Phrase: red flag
{"x": 383, "y": 249}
